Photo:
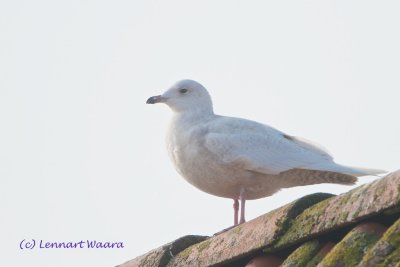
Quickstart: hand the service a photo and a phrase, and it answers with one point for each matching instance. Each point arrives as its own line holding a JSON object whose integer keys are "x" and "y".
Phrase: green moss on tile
{"x": 315, "y": 260}
{"x": 237, "y": 229}
{"x": 304, "y": 203}
{"x": 343, "y": 216}
{"x": 386, "y": 251}
{"x": 203, "y": 245}
{"x": 392, "y": 260}
{"x": 302, "y": 255}
{"x": 320, "y": 255}
{"x": 185, "y": 253}
{"x": 304, "y": 224}
{"x": 346, "y": 198}
{"x": 357, "y": 212}
{"x": 350, "y": 251}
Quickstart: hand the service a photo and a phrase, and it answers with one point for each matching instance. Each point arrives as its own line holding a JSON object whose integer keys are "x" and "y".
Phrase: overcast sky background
{"x": 82, "y": 156}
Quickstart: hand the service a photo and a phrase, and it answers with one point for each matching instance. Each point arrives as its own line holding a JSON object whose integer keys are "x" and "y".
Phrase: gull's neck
{"x": 194, "y": 115}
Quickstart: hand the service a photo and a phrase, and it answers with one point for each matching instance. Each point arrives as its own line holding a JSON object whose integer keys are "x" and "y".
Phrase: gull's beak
{"x": 156, "y": 99}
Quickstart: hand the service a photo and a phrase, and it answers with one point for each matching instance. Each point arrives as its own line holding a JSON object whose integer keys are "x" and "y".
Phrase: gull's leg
{"x": 242, "y": 198}
{"x": 235, "y": 211}
{"x": 235, "y": 217}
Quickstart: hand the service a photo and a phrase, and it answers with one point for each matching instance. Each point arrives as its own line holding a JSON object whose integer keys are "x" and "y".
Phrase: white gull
{"x": 241, "y": 159}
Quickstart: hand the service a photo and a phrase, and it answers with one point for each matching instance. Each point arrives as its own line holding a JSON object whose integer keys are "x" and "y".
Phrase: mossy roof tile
{"x": 350, "y": 251}
{"x": 364, "y": 201}
{"x": 160, "y": 257}
{"x": 245, "y": 238}
{"x": 326, "y": 220}
{"x": 386, "y": 252}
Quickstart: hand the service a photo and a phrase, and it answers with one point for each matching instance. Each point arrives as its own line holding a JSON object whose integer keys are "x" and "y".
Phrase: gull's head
{"x": 185, "y": 96}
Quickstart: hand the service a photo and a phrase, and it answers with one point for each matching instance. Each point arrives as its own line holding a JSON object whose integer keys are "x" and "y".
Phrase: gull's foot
{"x": 226, "y": 229}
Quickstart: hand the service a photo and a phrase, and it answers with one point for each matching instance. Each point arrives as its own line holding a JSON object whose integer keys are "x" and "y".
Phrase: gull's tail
{"x": 353, "y": 171}
{"x": 357, "y": 171}
{"x": 333, "y": 173}
{"x": 298, "y": 177}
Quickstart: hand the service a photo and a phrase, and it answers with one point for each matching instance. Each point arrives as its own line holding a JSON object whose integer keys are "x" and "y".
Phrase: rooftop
{"x": 357, "y": 228}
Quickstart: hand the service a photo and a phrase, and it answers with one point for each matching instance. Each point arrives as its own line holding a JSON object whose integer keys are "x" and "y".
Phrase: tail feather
{"x": 353, "y": 171}
{"x": 298, "y": 177}
{"x": 368, "y": 171}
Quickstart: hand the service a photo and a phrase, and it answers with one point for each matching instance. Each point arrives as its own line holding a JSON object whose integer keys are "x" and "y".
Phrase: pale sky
{"x": 82, "y": 157}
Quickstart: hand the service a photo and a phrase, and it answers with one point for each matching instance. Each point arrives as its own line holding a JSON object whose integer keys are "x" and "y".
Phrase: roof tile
{"x": 265, "y": 261}
{"x": 350, "y": 251}
{"x": 160, "y": 257}
{"x": 386, "y": 252}
{"x": 302, "y": 233}
{"x": 353, "y": 206}
{"x": 245, "y": 238}
{"x": 302, "y": 255}
{"x": 321, "y": 254}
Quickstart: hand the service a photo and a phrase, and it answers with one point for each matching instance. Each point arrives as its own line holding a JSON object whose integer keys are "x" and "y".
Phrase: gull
{"x": 241, "y": 159}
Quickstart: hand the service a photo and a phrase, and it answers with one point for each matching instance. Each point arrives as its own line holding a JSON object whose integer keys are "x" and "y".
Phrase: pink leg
{"x": 236, "y": 211}
{"x": 242, "y": 198}
{"x": 235, "y": 216}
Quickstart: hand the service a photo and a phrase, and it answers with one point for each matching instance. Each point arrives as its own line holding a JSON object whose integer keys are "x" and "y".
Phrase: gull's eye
{"x": 182, "y": 91}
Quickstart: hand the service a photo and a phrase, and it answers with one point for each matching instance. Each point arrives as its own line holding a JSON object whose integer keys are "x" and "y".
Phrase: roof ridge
{"x": 288, "y": 226}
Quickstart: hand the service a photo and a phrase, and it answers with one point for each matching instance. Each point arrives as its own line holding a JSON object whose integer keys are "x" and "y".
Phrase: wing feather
{"x": 256, "y": 147}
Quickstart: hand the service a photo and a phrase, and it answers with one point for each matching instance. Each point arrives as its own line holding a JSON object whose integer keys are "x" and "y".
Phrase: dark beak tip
{"x": 151, "y": 100}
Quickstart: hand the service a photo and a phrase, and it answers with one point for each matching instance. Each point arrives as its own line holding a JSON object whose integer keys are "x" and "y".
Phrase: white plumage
{"x": 237, "y": 158}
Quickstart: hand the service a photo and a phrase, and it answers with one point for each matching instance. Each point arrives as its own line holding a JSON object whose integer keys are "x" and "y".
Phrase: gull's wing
{"x": 252, "y": 146}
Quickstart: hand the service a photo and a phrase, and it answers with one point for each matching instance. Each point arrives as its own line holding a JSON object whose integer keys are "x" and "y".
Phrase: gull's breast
{"x": 208, "y": 172}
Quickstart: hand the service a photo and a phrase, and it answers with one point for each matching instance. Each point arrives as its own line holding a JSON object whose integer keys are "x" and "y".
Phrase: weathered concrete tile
{"x": 350, "y": 251}
{"x": 366, "y": 200}
{"x": 302, "y": 255}
{"x": 265, "y": 261}
{"x": 160, "y": 257}
{"x": 326, "y": 248}
{"x": 286, "y": 226}
{"x": 245, "y": 238}
{"x": 386, "y": 252}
